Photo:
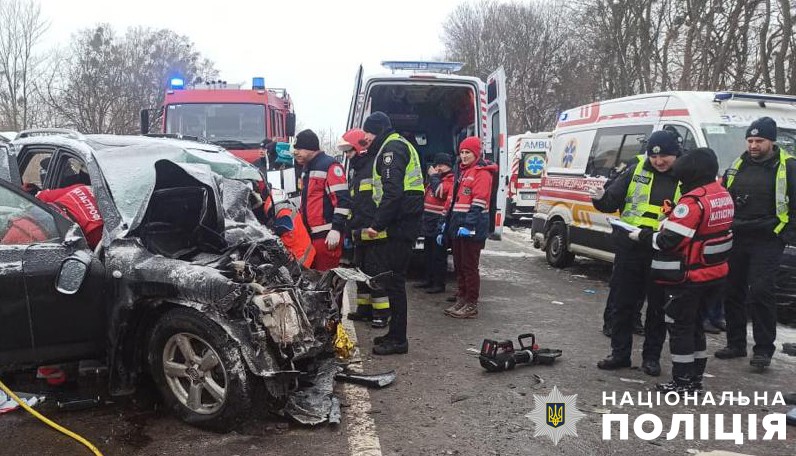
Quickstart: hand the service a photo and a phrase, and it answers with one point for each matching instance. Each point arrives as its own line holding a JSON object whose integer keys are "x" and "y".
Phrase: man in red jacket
{"x": 690, "y": 261}
{"x": 77, "y": 202}
{"x": 325, "y": 201}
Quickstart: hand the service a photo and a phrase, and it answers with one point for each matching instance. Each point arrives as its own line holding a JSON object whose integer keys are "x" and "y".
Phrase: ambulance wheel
{"x": 557, "y": 253}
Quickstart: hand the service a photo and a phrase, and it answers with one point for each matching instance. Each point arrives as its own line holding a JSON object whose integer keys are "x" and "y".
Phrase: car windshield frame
{"x": 243, "y": 122}
{"x": 729, "y": 141}
{"x": 129, "y": 171}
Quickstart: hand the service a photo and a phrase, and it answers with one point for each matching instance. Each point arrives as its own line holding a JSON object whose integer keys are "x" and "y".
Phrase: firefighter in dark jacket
{"x": 372, "y": 304}
{"x": 690, "y": 261}
{"x": 762, "y": 183}
{"x": 325, "y": 201}
{"x": 641, "y": 193}
{"x": 398, "y": 195}
{"x": 439, "y": 192}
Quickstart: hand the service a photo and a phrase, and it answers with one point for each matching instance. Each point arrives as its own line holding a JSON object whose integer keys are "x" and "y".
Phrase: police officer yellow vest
{"x": 413, "y": 177}
{"x": 780, "y": 189}
{"x": 638, "y": 211}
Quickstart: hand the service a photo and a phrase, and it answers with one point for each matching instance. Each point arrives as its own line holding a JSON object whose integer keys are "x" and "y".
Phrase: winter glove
{"x": 464, "y": 232}
{"x": 645, "y": 236}
{"x": 596, "y": 193}
{"x": 282, "y": 225}
{"x": 332, "y": 239}
{"x": 347, "y": 244}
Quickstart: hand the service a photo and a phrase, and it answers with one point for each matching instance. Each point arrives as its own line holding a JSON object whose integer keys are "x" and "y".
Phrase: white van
{"x": 527, "y": 155}
{"x": 436, "y": 110}
{"x": 593, "y": 142}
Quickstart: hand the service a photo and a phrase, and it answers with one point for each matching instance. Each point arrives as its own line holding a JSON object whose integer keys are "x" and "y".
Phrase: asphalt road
{"x": 443, "y": 402}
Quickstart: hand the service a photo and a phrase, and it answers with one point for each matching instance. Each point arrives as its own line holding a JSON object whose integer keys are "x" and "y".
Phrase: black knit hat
{"x": 663, "y": 142}
{"x": 442, "y": 159}
{"x": 764, "y": 127}
{"x": 696, "y": 167}
{"x": 307, "y": 140}
{"x": 377, "y": 123}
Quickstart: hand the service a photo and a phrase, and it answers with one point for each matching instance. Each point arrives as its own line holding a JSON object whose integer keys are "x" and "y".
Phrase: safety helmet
{"x": 353, "y": 139}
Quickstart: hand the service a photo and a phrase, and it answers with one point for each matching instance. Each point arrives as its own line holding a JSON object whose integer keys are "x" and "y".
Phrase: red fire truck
{"x": 236, "y": 118}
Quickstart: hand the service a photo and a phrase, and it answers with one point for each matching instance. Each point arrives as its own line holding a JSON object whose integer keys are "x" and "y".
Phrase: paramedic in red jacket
{"x": 439, "y": 193}
{"x": 77, "y": 202}
{"x": 690, "y": 260}
{"x": 325, "y": 201}
{"x": 469, "y": 224}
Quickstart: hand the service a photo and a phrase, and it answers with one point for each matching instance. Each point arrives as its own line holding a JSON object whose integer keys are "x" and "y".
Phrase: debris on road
{"x": 631, "y": 380}
{"x": 557, "y": 303}
{"x": 8, "y": 405}
{"x": 372, "y": 381}
{"x": 789, "y": 348}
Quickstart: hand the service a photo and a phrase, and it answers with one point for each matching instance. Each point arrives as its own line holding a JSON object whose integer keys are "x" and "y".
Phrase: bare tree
{"x": 21, "y": 30}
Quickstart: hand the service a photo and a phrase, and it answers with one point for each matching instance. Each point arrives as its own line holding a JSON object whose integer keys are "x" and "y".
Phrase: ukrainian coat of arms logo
{"x": 555, "y": 415}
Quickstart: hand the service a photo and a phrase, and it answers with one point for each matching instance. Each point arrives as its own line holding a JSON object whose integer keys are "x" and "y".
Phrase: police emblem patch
{"x": 387, "y": 158}
{"x": 680, "y": 211}
{"x": 555, "y": 415}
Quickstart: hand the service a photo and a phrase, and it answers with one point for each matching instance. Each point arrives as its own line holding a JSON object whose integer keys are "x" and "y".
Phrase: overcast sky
{"x": 311, "y": 48}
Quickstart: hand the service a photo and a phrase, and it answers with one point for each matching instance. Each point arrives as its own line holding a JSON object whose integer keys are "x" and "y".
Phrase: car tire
{"x": 199, "y": 371}
{"x": 556, "y": 250}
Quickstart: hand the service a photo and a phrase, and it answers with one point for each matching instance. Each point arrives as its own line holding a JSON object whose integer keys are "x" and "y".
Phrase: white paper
{"x": 620, "y": 224}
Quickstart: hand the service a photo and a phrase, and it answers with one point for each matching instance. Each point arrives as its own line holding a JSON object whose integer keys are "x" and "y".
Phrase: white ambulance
{"x": 593, "y": 142}
{"x": 527, "y": 155}
{"x": 436, "y": 109}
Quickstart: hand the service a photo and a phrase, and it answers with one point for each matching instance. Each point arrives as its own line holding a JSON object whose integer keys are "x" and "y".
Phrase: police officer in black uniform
{"x": 641, "y": 192}
{"x": 398, "y": 194}
{"x": 762, "y": 182}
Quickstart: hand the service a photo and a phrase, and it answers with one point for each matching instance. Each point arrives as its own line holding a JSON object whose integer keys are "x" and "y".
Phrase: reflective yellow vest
{"x": 780, "y": 188}
{"x": 413, "y": 176}
{"x": 638, "y": 211}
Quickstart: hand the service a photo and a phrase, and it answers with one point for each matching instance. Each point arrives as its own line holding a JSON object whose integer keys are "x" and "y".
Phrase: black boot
{"x": 760, "y": 361}
{"x": 679, "y": 385}
{"x": 391, "y": 347}
{"x": 611, "y": 363}
{"x": 730, "y": 352}
{"x": 651, "y": 367}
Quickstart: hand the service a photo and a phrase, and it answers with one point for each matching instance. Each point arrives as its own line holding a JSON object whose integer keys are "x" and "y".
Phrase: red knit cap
{"x": 473, "y": 144}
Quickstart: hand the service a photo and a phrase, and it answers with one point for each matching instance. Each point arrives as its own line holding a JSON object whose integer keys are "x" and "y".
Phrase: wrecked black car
{"x": 185, "y": 285}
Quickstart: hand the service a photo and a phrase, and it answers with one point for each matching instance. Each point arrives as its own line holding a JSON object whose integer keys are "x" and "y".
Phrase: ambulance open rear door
{"x": 495, "y": 131}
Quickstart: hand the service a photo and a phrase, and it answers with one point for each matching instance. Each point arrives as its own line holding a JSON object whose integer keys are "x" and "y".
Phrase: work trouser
{"x": 393, "y": 255}
{"x": 632, "y": 278}
{"x": 466, "y": 256}
{"x": 754, "y": 262}
{"x": 608, "y": 313}
{"x": 326, "y": 259}
{"x": 684, "y": 312}
{"x": 436, "y": 261}
{"x": 370, "y": 301}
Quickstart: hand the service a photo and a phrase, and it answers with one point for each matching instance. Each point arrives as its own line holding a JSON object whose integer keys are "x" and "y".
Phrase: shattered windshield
{"x": 729, "y": 141}
{"x": 130, "y": 171}
{"x": 238, "y": 122}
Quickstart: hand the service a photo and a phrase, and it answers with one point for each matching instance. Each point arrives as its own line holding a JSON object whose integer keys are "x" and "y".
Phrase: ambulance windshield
{"x": 729, "y": 141}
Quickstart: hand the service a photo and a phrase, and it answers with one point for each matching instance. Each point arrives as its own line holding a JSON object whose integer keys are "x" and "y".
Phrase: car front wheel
{"x": 557, "y": 252}
{"x": 199, "y": 370}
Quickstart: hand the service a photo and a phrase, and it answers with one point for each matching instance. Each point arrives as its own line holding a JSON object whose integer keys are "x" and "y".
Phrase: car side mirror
{"x": 73, "y": 273}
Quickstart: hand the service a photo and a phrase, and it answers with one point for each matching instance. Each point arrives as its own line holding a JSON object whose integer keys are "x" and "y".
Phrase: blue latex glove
{"x": 347, "y": 244}
{"x": 441, "y": 240}
{"x": 282, "y": 225}
{"x": 464, "y": 232}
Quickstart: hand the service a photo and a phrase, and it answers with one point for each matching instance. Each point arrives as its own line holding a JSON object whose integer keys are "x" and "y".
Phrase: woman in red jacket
{"x": 469, "y": 225}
